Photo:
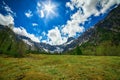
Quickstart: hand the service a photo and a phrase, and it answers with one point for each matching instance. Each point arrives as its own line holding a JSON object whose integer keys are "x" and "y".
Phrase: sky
{"x": 53, "y": 21}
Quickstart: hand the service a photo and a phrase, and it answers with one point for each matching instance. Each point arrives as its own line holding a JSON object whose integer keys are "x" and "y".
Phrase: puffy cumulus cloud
{"x": 6, "y": 20}
{"x": 85, "y": 8}
{"x": 28, "y": 14}
{"x": 73, "y": 26}
{"x": 55, "y": 37}
{"x": 34, "y": 24}
{"x": 90, "y": 6}
{"x": 22, "y": 31}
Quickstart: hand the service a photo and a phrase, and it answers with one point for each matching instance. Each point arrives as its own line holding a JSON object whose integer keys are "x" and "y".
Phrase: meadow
{"x": 60, "y": 67}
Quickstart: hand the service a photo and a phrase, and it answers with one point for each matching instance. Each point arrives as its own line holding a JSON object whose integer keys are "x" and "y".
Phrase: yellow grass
{"x": 60, "y": 67}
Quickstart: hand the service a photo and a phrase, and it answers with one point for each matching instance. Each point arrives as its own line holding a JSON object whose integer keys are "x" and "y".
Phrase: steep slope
{"x": 104, "y": 37}
{"x": 9, "y": 43}
{"x": 31, "y": 45}
{"x": 16, "y": 45}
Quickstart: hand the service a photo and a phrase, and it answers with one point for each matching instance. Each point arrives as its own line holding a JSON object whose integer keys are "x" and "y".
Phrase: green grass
{"x": 60, "y": 67}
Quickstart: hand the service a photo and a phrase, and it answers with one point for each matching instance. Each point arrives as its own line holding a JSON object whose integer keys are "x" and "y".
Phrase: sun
{"x": 49, "y": 8}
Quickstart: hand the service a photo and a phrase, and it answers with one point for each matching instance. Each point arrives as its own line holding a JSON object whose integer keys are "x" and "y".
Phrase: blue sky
{"x": 53, "y": 21}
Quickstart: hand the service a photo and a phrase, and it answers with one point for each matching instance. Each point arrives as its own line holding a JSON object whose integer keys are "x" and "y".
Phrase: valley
{"x": 82, "y": 42}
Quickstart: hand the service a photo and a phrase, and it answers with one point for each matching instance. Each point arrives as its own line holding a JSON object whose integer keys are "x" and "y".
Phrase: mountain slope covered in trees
{"x": 9, "y": 43}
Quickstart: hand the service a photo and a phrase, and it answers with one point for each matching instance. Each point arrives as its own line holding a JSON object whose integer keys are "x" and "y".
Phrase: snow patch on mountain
{"x": 27, "y": 42}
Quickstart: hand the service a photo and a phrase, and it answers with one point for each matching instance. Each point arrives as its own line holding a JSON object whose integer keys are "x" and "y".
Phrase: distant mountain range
{"x": 105, "y": 30}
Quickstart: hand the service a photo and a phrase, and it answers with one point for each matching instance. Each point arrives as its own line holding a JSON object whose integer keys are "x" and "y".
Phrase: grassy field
{"x": 60, "y": 67}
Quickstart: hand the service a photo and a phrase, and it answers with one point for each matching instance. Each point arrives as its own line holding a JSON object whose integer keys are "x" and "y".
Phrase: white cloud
{"x": 29, "y": 14}
{"x": 6, "y": 20}
{"x": 8, "y": 9}
{"x": 40, "y": 37}
{"x": 22, "y": 31}
{"x": 43, "y": 33}
{"x": 40, "y": 10}
{"x": 42, "y": 13}
{"x": 34, "y": 24}
{"x": 85, "y": 8}
{"x": 55, "y": 37}
{"x": 73, "y": 26}
{"x": 69, "y": 5}
{"x": 38, "y": 4}
{"x": 89, "y": 6}
{"x": 44, "y": 41}
{"x": 107, "y": 4}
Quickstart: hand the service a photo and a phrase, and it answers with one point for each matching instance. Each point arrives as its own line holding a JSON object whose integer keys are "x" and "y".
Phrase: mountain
{"x": 104, "y": 37}
{"x": 92, "y": 35}
{"x": 9, "y": 43}
{"x": 104, "y": 31}
{"x": 59, "y": 48}
{"x": 31, "y": 45}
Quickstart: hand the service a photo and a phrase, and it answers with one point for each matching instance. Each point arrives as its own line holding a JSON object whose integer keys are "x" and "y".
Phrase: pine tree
{"x": 78, "y": 50}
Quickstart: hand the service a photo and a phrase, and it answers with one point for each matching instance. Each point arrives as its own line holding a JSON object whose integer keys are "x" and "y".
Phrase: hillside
{"x": 104, "y": 37}
{"x": 10, "y": 44}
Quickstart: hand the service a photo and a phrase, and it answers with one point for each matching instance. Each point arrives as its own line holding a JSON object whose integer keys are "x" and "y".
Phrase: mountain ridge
{"x": 104, "y": 37}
